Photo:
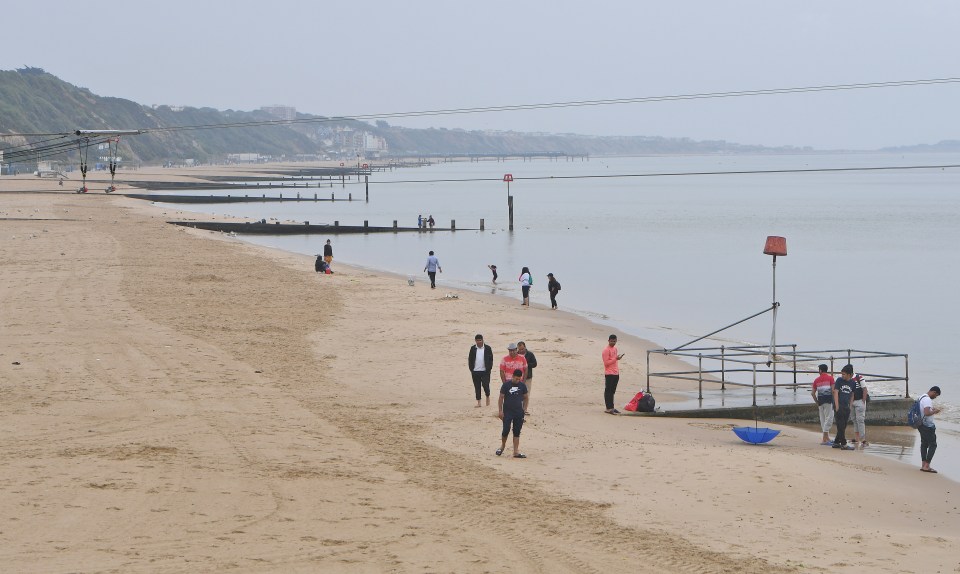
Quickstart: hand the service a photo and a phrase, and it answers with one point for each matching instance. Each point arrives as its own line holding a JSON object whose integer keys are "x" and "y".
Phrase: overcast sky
{"x": 354, "y": 58}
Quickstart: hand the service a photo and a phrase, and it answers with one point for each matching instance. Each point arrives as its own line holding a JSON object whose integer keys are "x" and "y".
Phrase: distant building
{"x": 281, "y": 112}
{"x": 350, "y": 141}
{"x": 245, "y": 158}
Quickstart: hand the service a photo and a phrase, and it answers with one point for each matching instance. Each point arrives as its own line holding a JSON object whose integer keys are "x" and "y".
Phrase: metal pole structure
{"x": 723, "y": 368}
{"x": 700, "y": 375}
{"x": 794, "y": 368}
{"x": 906, "y": 375}
{"x": 508, "y": 177}
{"x": 510, "y": 206}
{"x": 648, "y": 371}
{"x": 754, "y": 384}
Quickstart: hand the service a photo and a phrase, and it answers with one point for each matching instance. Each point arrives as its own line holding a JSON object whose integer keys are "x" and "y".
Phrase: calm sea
{"x": 871, "y": 264}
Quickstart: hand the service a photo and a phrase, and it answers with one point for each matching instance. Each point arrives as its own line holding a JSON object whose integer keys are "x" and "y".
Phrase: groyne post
{"x": 453, "y": 225}
{"x": 350, "y": 196}
{"x": 366, "y": 185}
{"x": 481, "y": 224}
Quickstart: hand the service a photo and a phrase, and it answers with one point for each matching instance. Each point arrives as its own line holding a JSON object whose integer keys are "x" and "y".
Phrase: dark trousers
{"x": 610, "y": 389}
{"x": 843, "y": 416}
{"x": 928, "y": 443}
{"x": 481, "y": 379}
{"x": 512, "y": 419}
{"x": 433, "y": 278}
{"x": 553, "y": 300}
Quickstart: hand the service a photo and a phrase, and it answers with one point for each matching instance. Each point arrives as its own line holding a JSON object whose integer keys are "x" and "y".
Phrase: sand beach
{"x": 176, "y": 400}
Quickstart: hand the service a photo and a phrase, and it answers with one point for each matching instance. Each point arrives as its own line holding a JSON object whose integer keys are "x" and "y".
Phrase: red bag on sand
{"x": 632, "y": 405}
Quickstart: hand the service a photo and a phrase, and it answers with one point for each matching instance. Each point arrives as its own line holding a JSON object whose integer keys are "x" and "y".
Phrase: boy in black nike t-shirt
{"x": 512, "y": 405}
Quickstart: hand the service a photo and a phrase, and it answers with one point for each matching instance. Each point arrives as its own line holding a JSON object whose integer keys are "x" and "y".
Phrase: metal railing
{"x": 745, "y": 366}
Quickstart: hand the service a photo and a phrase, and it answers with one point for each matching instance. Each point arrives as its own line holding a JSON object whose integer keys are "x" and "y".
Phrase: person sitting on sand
{"x": 512, "y": 404}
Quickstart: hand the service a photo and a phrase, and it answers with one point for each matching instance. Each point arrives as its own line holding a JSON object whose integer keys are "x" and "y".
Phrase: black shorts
{"x": 514, "y": 419}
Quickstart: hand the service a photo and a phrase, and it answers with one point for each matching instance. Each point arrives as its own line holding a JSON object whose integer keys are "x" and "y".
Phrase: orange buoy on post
{"x": 775, "y": 245}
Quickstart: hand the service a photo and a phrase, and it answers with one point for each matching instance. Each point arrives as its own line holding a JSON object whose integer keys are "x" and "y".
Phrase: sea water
{"x": 871, "y": 264}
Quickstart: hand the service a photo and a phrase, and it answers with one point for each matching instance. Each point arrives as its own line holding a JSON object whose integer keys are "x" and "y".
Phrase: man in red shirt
{"x": 611, "y": 373}
{"x": 822, "y": 393}
{"x": 512, "y": 362}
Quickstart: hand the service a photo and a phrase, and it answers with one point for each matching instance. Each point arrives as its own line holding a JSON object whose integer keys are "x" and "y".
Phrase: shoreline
{"x": 266, "y": 417}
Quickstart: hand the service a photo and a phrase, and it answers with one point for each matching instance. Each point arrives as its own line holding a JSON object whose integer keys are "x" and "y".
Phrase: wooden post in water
{"x": 481, "y": 224}
{"x": 394, "y": 223}
{"x": 350, "y": 196}
{"x": 366, "y": 185}
{"x": 453, "y": 225}
{"x": 331, "y": 196}
{"x": 336, "y": 224}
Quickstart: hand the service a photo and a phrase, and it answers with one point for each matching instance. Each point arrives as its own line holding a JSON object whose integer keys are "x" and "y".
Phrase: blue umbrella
{"x": 756, "y": 435}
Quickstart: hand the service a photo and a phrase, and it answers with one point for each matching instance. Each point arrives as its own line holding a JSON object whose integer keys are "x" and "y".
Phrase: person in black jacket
{"x": 480, "y": 363}
{"x": 527, "y": 354}
{"x": 553, "y": 286}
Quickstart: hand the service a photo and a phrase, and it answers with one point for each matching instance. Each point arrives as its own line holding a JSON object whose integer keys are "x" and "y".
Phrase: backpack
{"x": 647, "y": 404}
{"x": 634, "y": 402}
{"x": 915, "y": 415}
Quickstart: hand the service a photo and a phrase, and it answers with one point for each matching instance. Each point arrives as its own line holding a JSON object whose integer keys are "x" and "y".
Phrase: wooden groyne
{"x": 305, "y": 228}
{"x": 171, "y": 198}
